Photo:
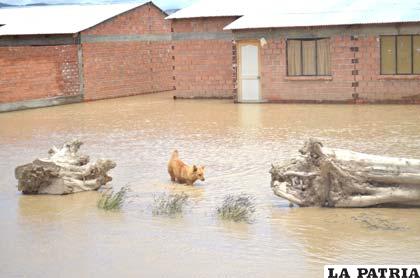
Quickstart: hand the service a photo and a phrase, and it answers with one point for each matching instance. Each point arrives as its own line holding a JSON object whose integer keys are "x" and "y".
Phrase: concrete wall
{"x": 352, "y": 81}
{"x": 37, "y": 72}
{"x": 203, "y": 57}
{"x": 128, "y": 55}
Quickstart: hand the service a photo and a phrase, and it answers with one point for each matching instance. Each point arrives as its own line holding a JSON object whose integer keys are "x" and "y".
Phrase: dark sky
{"x": 164, "y": 4}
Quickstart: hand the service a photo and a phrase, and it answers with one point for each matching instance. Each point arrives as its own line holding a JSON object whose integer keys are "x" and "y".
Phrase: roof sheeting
{"x": 212, "y": 8}
{"x": 59, "y": 19}
{"x": 345, "y": 12}
{"x": 299, "y": 13}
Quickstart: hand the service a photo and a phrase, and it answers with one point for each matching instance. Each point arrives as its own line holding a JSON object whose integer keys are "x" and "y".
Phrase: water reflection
{"x": 194, "y": 193}
{"x": 237, "y": 143}
{"x": 250, "y": 115}
{"x": 56, "y": 207}
{"x": 340, "y": 235}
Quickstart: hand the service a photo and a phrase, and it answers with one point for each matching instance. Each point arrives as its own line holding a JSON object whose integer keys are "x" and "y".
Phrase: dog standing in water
{"x": 182, "y": 173}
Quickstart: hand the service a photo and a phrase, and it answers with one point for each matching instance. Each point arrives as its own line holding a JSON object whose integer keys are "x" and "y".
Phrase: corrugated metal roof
{"x": 59, "y": 19}
{"x": 212, "y": 8}
{"x": 296, "y": 13}
{"x": 344, "y": 12}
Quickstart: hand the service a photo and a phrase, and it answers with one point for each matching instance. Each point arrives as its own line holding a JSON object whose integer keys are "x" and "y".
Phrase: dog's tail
{"x": 175, "y": 154}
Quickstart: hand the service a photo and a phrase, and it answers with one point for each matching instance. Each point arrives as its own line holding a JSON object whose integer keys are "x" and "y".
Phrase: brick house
{"x": 361, "y": 51}
{"x": 82, "y": 52}
{"x": 303, "y": 52}
{"x": 203, "y": 50}
{"x": 203, "y": 57}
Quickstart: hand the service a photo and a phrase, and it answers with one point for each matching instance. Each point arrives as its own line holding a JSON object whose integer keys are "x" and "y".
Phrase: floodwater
{"x": 67, "y": 236}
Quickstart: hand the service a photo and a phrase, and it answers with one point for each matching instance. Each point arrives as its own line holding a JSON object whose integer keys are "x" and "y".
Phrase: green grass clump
{"x": 237, "y": 208}
{"x": 113, "y": 201}
{"x": 169, "y": 204}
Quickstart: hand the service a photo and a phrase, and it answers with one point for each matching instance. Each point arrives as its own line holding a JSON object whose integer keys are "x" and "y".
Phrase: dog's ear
{"x": 202, "y": 167}
{"x": 194, "y": 168}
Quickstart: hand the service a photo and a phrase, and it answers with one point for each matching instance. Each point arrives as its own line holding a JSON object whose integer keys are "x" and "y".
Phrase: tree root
{"x": 64, "y": 172}
{"x": 326, "y": 177}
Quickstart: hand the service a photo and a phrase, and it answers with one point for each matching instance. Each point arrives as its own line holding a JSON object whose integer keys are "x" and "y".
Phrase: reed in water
{"x": 113, "y": 201}
{"x": 237, "y": 208}
{"x": 169, "y": 204}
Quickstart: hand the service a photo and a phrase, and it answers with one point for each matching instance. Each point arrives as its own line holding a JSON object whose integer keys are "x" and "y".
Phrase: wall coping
{"x": 37, "y": 103}
{"x": 399, "y": 77}
{"x": 308, "y": 78}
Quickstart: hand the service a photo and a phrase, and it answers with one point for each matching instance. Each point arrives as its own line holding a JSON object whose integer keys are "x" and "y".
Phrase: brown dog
{"x": 182, "y": 173}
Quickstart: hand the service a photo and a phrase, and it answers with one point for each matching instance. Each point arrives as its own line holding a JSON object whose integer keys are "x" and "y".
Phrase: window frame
{"x": 301, "y": 56}
{"x": 396, "y": 54}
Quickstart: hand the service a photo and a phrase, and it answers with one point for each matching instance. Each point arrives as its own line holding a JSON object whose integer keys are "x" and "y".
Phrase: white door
{"x": 249, "y": 73}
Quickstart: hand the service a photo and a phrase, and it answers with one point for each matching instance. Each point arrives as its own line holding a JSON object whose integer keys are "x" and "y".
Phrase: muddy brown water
{"x": 67, "y": 236}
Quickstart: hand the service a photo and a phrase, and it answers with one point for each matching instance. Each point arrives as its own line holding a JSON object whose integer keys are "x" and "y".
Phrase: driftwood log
{"x": 326, "y": 177}
{"x": 64, "y": 172}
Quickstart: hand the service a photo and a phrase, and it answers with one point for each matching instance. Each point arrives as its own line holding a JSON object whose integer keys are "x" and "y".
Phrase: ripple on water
{"x": 237, "y": 144}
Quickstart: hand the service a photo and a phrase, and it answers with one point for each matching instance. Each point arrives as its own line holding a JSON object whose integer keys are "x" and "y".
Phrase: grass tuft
{"x": 169, "y": 204}
{"x": 113, "y": 201}
{"x": 237, "y": 208}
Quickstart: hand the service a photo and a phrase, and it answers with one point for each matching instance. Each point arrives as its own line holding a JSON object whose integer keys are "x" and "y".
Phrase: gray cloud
{"x": 165, "y": 4}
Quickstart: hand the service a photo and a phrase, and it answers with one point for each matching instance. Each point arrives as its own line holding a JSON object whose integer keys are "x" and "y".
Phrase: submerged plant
{"x": 237, "y": 208}
{"x": 169, "y": 204}
{"x": 113, "y": 201}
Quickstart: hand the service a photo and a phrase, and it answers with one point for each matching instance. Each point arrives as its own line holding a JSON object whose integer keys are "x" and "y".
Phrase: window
{"x": 400, "y": 54}
{"x": 308, "y": 57}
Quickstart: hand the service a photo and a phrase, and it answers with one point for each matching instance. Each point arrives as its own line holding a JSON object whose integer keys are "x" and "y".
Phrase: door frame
{"x": 239, "y": 45}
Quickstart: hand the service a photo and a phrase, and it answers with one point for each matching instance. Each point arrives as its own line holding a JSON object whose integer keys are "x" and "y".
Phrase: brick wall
{"x": 366, "y": 86}
{"x": 121, "y": 68}
{"x": 35, "y": 72}
{"x": 146, "y": 19}
{"x": 203, "y": 60}
{"x": 277, "y": 86}
{"x": 200, "y": 61}
{"x": 373, "y": 86}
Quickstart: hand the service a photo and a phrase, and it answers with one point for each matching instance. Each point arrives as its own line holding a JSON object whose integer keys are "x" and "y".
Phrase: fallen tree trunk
{"x": 64, "y": 172}
{"x": 326, "y": 177}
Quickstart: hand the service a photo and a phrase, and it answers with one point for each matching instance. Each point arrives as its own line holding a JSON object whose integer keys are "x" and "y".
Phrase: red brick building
{"x": 203, "y": 57}
{"x": 75, "y": 53}
{"x": 299, "y": 53}
{"x": 292, "y": 52}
